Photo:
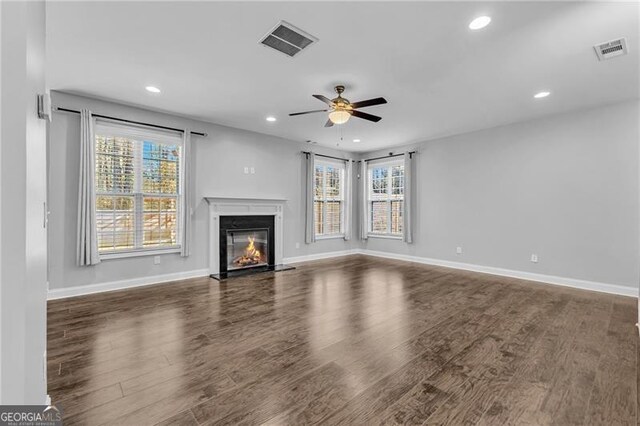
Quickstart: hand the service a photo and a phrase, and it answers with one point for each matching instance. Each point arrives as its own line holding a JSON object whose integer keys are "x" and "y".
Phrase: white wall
{"x": 564, "y": 187}
{"x": 23, "y": 182}
{"x": 218, "y": 171}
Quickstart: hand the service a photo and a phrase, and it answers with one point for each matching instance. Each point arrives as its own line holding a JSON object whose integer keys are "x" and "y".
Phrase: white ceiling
{"x": 439, "y": 77}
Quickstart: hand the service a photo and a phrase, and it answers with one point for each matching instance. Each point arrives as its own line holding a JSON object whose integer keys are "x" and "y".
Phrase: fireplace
{"x": 245, "y": 236}
{"x": 246, "y": 242}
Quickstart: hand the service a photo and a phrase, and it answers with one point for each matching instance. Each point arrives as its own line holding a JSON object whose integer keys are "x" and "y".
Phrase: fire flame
{"x": 251, "y": 251}
{"x": 251, "y": 256}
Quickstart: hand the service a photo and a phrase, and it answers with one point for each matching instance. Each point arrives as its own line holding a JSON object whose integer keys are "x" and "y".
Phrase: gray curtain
{"x": 348, "y": 206}
{"x": 187, "y": 195}
{"x": 310, "y": 235}
{"x": 87, "y": 238}
{"x": 407, "y": 225}
{"x": 364, "y": 208}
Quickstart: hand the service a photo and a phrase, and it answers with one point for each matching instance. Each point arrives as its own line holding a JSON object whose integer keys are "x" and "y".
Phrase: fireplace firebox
{"x": 247, "y": 248}
{"x": 246, "y": 243}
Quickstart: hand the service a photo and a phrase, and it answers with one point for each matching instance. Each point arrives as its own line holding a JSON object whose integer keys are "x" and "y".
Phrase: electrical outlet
{"x": 253, "y": 170}
{"x": 156, "y": 260}
{"x": 246, "y": 170}
{"x": 459, "y": 250}
{"x": 297, "y": 245}
{"x": 534, "y": 258}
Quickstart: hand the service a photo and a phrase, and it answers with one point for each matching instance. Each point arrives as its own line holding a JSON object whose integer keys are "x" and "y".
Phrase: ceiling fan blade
{"x": 329, "y": 123}
{"x": 369, "y": 102}
{"x": 307, "y": 112}
{"x": 324, "y": 99}
{"x": 366, "y": 116}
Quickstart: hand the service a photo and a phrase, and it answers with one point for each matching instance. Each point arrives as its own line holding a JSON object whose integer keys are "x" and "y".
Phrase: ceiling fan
{"x": 341, "y": 109}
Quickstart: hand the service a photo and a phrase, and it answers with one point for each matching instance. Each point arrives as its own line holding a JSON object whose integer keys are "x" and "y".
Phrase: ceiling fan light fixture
{"x": 339, "y": 116}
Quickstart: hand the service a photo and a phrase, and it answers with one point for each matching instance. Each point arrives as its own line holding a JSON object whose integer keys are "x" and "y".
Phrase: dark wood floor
{"x": 354, "y": 340}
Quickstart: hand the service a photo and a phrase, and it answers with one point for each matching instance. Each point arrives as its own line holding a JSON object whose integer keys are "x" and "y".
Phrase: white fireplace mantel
{"x": 236, "y": 206}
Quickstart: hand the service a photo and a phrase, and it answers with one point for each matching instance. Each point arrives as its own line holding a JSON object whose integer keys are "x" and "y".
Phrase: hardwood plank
{"x": 184, "y": 418}
{"x": 78, "y": 402}
{"x": 305, "y": 399}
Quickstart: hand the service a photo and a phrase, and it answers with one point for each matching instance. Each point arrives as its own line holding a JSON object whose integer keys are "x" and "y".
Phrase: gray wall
{"x": 564, "y": 187}
{"x": 218, "y": 170}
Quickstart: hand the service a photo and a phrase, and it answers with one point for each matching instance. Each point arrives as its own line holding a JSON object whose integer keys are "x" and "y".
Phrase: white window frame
{"x": 340, "y": 165}
{"x": 388, "y": 164}
{"x": 140, "y": 133}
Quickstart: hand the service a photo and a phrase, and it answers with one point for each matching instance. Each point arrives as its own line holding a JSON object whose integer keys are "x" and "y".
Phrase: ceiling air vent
{"x": 611, "y": 49}
{"x": 287, "y": 39}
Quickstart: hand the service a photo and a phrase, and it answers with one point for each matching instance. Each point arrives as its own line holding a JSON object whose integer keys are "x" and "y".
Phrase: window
{"x": 328, "y": 201}
{"x": 138, "y": 189}
{"x": 386, "y": 198}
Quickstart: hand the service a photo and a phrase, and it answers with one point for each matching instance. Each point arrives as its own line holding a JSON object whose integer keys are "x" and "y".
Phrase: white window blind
{"x": 138, "y": 188}
{"x": 385, "y": 198}
{"x": 328, "y": 206}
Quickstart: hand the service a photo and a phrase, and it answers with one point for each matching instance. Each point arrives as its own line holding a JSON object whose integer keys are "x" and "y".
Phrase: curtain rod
{"x": 73, "y": 111}
{"x": 389, "y": 156}
{"x": 326, "y": 156}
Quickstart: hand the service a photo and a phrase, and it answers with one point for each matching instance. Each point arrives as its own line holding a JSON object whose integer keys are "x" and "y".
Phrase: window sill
{"x": 385, "y": 236}
{"x": 139, "y": 253}
{"x": 329, "y": 237}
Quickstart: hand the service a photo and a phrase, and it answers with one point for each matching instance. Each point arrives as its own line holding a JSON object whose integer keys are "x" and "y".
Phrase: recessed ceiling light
{"x": 152, "y": 89}
{"x": 541, "y": 95}
{"x": 356, "y": 140}
{"x": 480, "y": 22}
{"x": 271, "y": 119}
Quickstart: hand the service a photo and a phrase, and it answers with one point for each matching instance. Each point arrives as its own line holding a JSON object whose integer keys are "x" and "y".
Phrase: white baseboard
{"x": 61, "y": 293}
{"x": 530, "y": 276}
{"x": 318, "y": 256}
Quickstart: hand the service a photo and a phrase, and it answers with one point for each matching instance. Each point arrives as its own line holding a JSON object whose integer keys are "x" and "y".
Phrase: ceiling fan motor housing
{"x": 340, "y": 103}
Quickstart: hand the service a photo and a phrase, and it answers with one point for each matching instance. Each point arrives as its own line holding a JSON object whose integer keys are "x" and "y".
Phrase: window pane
{"x": 397, "y": 180}
{"x": 125, "y": 168}
{"x": 333, "y": 182}
{"x": 333, "y": 217}
{"x": 160, "y": 223}
{"x": 396, "y": 217}
{"x": 114, "y": 165}
{"x": 318, "y": 217}
{"x": 379, "y": 179}
{"x": 160, "y": 168}
{"x": 379, "y": 216}
{"x": 328, "y": 199}
{"x": 115, "y": 221}
{"x": 318, "y": 182}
